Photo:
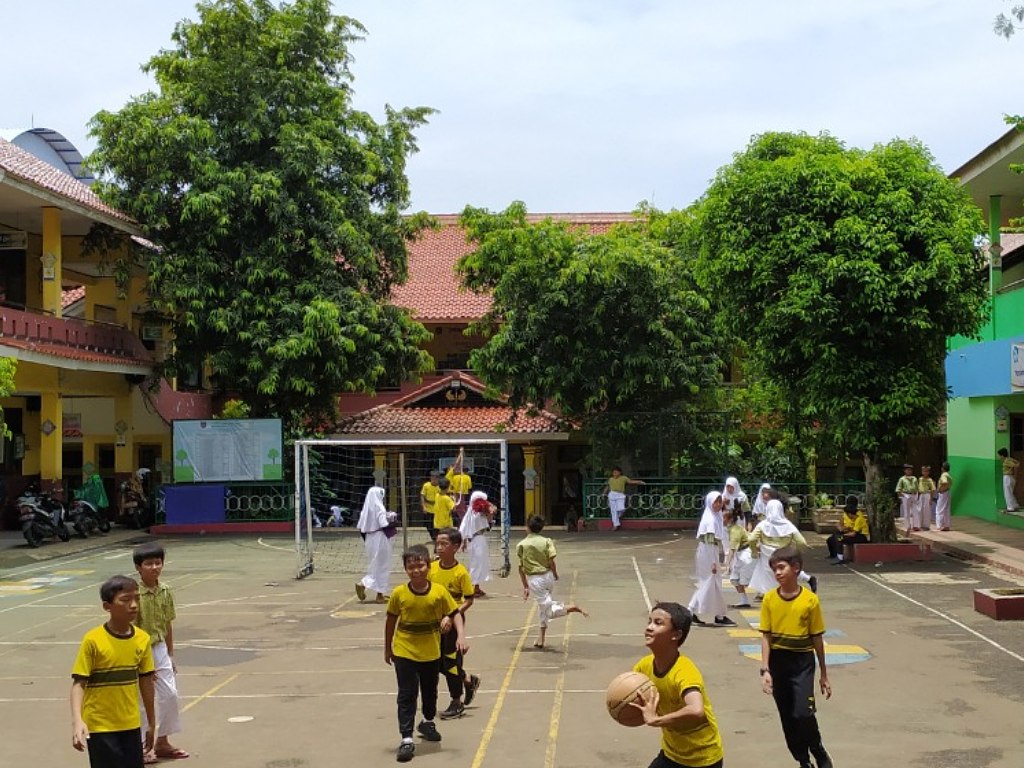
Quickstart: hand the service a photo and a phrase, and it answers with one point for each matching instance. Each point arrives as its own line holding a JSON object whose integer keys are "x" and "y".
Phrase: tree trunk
{"x": 879, "y": 501}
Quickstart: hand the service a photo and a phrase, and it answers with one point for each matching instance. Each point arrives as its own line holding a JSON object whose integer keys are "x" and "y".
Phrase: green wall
{"x": 971, "y": 427}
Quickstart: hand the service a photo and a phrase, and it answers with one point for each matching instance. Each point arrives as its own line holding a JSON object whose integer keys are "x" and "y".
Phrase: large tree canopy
{"x": 587, "y": 322}
{"x": 844, "y": 271}
{"x": 275, "y": 205}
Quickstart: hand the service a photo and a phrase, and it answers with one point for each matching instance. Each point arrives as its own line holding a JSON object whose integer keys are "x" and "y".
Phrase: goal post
{"x": 332, "y": 476}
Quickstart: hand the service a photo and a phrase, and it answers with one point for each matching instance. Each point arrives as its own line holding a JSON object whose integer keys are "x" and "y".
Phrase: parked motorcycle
{"x": 41, "y": 516}
{"x": 89, "y": 509}
{"x": 135, "y": 507}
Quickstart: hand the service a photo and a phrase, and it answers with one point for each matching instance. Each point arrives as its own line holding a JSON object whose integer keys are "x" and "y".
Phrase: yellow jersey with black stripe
{"x": 110, "y": 666}
{"x": 418, "y": 630}
{"x": 455, "y": 579}
{"x": 792, "y": 621}
{"x": 694, "y": 744}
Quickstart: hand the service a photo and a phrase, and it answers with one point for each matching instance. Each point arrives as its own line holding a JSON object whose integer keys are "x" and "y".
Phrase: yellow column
{"x": 124, "y": 442}
{"x": 380, "y": 472}
{"x": 51, "y": 446}
{"x": 51, "y": 262}
{"x": 532, "y": 483}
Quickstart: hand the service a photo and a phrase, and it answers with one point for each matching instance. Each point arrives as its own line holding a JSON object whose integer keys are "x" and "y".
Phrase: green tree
{"x": 587, "y": 322}
{"x": 1004, "y": 25}
{"x": 845, "y": 271}
{"x": 8, "y": 367}
{"x": 275, "y": 206}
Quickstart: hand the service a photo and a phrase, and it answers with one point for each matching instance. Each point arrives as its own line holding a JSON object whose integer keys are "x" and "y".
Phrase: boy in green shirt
{"x": 538, "y": 572}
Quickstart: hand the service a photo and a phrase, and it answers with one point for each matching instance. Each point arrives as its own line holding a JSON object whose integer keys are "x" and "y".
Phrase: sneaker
{"x": 360, "y": 592}
{"x": 741, "y": 605}
{"x": 455, "y": 710}
{"x": 699, "y": 622}
{"x": 470, "y": 688}
{"x": 428, "y": 731}
{"x": 813, "y": 584}
{"x": 724, "y": 621}
{"x": 822, "y": 757}
{"x": 405, "y": 752}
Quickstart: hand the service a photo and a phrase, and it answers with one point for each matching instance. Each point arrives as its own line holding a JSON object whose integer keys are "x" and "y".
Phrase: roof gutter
{"x": 60, "y": 201}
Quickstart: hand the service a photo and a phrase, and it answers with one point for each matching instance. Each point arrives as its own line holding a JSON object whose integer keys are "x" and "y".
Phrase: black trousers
{"x": 662, "y": 761}
{"x": 793, "y": 691}
{"x": 837, "y": 541}
{"x": 415, "y": 677}
{"x": 451, "y": 664}
{"x": 115, "y": 749}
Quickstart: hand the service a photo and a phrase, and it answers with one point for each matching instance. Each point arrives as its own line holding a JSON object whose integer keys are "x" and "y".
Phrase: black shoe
{"x": 698, "y": 622}
{"x": 822, "y": 757}
{"x": 813, "y": 584}
{"x": 724, "y": 621}
{"x": 405, "y": 752}
{"x": 838, "y": 562}
{"x": 428, "y": 731}
{"x": 470, "y": 689}
{"x": 455, "y": 710}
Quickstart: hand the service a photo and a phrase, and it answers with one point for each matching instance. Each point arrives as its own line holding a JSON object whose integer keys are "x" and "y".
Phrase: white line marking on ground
{"x": 643, "y": 587}
{"x": 262, "y": 543}
{"x": 940, "y": 614}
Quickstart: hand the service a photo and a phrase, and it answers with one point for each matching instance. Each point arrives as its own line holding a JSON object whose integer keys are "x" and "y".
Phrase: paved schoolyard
{"x": 280, "y": 673}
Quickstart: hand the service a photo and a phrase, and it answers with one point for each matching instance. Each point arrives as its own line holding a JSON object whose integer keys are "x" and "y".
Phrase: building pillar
{"x": 533, "y": 486}
{"x": 995, "y": 255}
{"x": 51, "y": 260}
{"x": 124, "y": 442}
{"x": 51, "y": 446}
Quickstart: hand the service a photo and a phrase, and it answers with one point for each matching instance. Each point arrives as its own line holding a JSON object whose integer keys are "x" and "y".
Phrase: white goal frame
{"x": 304, "y": 507}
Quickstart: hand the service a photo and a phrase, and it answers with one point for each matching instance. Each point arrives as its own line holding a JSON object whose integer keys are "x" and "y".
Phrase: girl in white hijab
{"x": 478, "y": 518}
{"x": 735, "y": 499}
{"x": 770, "y": 534}
{"x": 760, "y": 508}
{"x": 374, "y": 524}
{"x": 709, "y": 598}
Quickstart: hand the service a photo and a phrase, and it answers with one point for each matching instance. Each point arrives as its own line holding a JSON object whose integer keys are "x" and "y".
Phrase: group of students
{"x": 124, "y": 697}
{"x": 920, "y": 495}
{"x": 723, "y": 542}
{"x": 424, "y": 632}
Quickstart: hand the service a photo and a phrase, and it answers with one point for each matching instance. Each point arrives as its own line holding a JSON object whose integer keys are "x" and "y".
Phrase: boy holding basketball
{"x": 679, "y": 705}
{"x": 792, "y": 634}
{"x": 453, "y": 576}
{"x": 412, "y": 644}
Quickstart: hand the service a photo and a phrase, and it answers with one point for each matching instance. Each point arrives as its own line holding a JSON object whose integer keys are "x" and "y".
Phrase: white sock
{"x": 407, "y": 740}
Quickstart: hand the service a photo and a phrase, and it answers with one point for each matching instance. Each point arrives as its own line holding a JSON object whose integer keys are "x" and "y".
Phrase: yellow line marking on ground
{"x": 341, "y": 605}
{"x": 488, "y": 733}
{"x": 209, "y": 693}
{"x": 556, "y": 705}
{"x": 744, "y": 633}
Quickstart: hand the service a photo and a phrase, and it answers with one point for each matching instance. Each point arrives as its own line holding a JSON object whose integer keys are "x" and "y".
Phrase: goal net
{"x": 332, "y": 477}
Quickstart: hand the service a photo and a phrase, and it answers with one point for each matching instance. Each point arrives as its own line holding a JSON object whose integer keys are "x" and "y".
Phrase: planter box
{"x": 899, "y": 552}
{"x": 1000, "y": 604}
{"x": 827, "y": 519}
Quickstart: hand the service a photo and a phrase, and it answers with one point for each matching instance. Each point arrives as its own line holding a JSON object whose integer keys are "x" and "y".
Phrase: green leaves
{"x": 276, "y": 206}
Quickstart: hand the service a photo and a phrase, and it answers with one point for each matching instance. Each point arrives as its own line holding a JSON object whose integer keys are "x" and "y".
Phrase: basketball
{"x": 624, "y": 689}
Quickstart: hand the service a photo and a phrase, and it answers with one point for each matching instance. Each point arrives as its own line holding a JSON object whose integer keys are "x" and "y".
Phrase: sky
{"x": 580, "y": 105}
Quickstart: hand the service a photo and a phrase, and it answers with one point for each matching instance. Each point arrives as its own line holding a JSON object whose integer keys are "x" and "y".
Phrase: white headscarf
{"x": 374, "y": 515}
{"x": 736, "y": 495}
{"x": 710, "y": 520}
{"x": 472, "y": 522}
{"x": 760, "y": 508}
{"x": 776, "y": 525}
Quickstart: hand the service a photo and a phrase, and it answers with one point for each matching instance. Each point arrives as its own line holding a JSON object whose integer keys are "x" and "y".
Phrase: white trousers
{"x": 923, "y": 512}
{"x": 378, "y": 563}
{"x": 908, "y": 502}
{"x": 541, "y": 586}
{"x": 1009, "y": 481}
{"x": 617, "y": 506}
{"x": 165, "y": 694}
{"x": 479, "y": 558}
{"x": 942, "y": 516}
{"x": 709, "y": 599}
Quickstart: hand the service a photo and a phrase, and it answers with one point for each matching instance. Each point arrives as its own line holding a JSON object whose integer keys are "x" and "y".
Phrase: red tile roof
{"x": 64, "y": 352}
{"x": 434, "y": 292}
{"x": 26, "y": 167}
{"x": 70, "y": 295}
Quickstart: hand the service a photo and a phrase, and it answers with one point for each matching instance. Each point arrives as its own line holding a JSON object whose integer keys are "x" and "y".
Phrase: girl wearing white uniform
{"x": 478, "y": 518}
{"x": 733, "y": 498}
{"x": 709, "y": 598}
{"x": 373, "y": 521}
{"x": 760, "y": 509}
{"x": 774, "y": 532}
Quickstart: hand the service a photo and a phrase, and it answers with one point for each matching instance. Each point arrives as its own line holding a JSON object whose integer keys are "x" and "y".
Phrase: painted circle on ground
{"x": 240, "y": 719}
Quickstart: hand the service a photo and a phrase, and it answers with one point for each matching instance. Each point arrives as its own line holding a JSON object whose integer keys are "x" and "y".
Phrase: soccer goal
{"x": 332, "y": 477}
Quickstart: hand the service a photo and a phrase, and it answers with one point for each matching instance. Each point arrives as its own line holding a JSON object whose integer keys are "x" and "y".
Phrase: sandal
{"x": 150, "y": 759}
{"x": 174, "y": 754}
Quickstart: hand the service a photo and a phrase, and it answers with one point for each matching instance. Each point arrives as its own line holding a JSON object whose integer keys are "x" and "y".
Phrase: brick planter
{"x": 897, "y": 552}
{"x": 1000, "y": 604}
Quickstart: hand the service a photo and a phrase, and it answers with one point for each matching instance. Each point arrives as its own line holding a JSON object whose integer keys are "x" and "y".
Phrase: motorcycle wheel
{"x": 104, "y": 524}
{"x": 33, "y": 536}
{"x": 63, "y": 533}
{"x": 81, "y": 529}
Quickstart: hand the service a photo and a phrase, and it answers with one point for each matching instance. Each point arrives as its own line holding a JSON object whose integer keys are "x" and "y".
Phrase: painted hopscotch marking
{"x": 834, "y": 654}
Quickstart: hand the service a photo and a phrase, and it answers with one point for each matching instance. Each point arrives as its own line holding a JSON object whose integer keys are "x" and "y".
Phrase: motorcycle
{"x": 135, "y": 508}
{"x": 41, "y": 516}
{"x": 88, "y": 510}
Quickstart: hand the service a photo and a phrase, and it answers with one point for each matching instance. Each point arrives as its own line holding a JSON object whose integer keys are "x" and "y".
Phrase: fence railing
{"x": 683, "y": 499}
{"x": 249, "y": 502}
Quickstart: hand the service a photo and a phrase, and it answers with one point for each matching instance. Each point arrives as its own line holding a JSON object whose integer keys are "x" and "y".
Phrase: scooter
{"x": 41, "y": 516}
{"x": 89, "y": 509}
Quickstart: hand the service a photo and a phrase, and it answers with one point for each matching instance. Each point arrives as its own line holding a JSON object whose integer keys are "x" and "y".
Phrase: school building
{"x": 985, "y": 376}
{"x": 85, "y": 341}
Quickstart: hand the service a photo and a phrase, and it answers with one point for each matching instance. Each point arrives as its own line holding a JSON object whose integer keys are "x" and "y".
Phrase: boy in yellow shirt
{"x": 444, "y": 505}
